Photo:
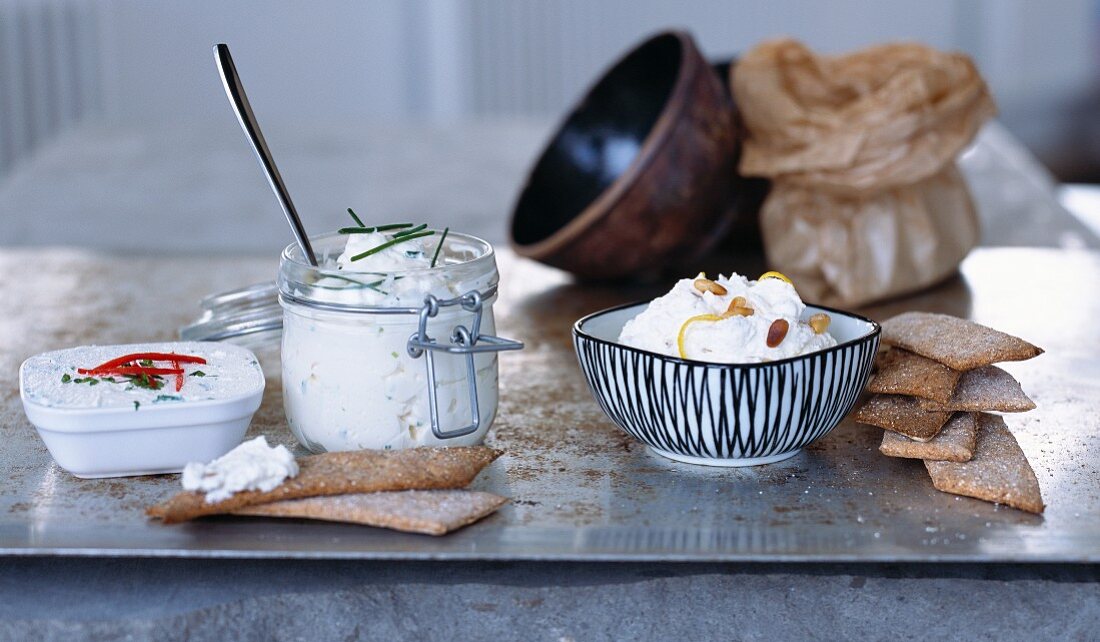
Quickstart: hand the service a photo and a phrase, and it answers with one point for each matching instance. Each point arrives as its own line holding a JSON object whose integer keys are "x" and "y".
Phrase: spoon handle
{"x": 235, "y": 91}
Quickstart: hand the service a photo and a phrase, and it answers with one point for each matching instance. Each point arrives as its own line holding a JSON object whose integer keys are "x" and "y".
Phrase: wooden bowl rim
{"x": 654, "y": 140}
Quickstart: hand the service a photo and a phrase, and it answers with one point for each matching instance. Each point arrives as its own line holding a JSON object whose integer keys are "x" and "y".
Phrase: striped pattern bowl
{"x": 725, "y": 414}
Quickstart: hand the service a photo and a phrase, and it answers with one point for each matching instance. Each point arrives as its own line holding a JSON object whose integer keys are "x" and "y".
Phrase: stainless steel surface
{"x": 581, "y": 489}
{"x": 239, "y": 100}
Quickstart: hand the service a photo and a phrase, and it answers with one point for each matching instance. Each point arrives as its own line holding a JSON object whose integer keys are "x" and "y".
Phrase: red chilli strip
{"x": 130, "y": 370}
{"x": 179, "y": 375}
{"x": 150, "y": 356}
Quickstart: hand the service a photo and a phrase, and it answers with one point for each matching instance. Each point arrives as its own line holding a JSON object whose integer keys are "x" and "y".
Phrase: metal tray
{"x": 580, "y": 489}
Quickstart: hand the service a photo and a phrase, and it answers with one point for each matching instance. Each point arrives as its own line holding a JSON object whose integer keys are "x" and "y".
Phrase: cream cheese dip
{"x": 728, "y": 320}
{"x": 253, "y": 465}
{"x": 140, "y": 409}
{"x": 350, "y": 380}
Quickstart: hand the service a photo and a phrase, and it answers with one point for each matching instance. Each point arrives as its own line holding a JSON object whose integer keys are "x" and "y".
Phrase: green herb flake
{"x": 197, "y": 373}
{"x": 394, "y": 354}
{"x": 146, "y": 363}
{"x": 65, "y": 378}
{"x": 137, "y": 404}
{"x": 167, "y": 398}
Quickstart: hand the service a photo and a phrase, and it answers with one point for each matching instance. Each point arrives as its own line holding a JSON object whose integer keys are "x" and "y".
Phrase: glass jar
{"x": 388, "y": 360}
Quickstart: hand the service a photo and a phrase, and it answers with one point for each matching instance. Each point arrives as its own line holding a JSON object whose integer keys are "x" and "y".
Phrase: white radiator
{"x": 49, "y": 71}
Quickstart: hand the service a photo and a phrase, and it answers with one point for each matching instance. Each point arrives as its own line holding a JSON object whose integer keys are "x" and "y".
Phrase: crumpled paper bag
{"x": 866, "y": 201}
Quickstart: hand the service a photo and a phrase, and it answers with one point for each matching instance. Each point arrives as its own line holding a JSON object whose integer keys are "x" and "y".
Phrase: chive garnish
{"x": 377, "y": 228}
{"x": 198, "y": 373}
{"x": 137, "y": 404}
{"x": 66, "y": 378}
{"x": 355, "y": 218}
{"x": 435, "y": 257}
{"x": 391, "y": 243}
{"x": 412, "y": 231}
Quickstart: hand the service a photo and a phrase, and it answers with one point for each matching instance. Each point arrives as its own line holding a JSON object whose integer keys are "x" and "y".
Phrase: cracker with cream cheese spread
{"x": 954, "y": 342}
{"x": 985, "y": 389}
{"x": 901, "y": 372}
{"x": 998, "y": 472}
{"x": 431, "y": 512}
{"x": 340, "y": 473}
{"x": 955, "y": 442}
{"x": 903, "y": 415}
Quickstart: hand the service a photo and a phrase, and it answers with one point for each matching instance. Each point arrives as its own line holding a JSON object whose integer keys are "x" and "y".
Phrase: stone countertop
{"x": 582, "y": 489}
{"x": 161, "y": 599}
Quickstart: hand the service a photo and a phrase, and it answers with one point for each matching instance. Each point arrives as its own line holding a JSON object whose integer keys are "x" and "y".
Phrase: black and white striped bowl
{"x": 725, "y": 414}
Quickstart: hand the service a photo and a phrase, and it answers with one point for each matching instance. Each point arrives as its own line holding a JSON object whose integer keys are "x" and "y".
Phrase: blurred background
{"x": 115, "y": 132}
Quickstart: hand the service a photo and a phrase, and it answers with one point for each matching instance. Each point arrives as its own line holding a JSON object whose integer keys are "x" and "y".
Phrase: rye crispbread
{"x": 998, "y": 472}
{"x": 954, "y": 342}
{"x": 955, "y": 441}
{"x": 340, "y": 473}
{"x": 901, "y": 372}
{"x": 985, "y": 389}
{"x": 431, "y": 512}
{"x": 903, "y": 415}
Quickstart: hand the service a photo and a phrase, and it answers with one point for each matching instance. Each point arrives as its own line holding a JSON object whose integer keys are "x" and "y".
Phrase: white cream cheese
{"x": 253, "y": 465}
{"x": 348, "y": 380}
{"x": 52, "y": 379}
{"x": 732, "y": 338}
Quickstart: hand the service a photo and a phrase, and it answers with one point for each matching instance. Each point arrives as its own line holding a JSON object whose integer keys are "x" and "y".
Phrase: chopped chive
{"x": 197, "y": 373}
{"x": 391, "y": 243}
{"x": 147, "y": 363}
{"x": 435, "y": 257}
{"x": 66, "y": 378}
{"x": 412, "y": 231}
{"x": 137, "y": 404}
{"x": 378, "y": 228}
{"x": 355, "y": 218}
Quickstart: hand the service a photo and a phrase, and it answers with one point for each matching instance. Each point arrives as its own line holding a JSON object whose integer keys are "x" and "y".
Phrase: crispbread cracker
{"x": 901, "y": 372}
{"x": 998, "y": 471}
{"x": 431, "y": 512}
{"x": 985, "y": 389}
{"x": 903, "y": 415}
{"x": 955, "y": 442}
{"x": 954, "y": 342}
{"x": 362, "y": 471}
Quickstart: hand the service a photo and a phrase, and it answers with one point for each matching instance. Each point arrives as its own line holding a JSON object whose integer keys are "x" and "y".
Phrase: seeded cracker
{"x": 985, "y": 389}
{"x": 998, "y": 472}
{"x": 431, "y": 512}
{"x": 954, "y": 342}
{"x": 901, "y": 372}
{"x": 903, "y": 415}
{"x": 340, "y": 473}
{"x": 955, "y": 442}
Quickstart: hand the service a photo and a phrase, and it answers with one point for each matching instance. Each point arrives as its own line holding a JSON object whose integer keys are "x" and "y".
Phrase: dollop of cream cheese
{"x": 733, "y": 338}
{"x": 253, "y": 465}
{"x": 406, "y": 255}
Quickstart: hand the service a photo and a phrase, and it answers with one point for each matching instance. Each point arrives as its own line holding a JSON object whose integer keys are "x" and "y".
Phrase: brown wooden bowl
{"x": 638, "y": 177}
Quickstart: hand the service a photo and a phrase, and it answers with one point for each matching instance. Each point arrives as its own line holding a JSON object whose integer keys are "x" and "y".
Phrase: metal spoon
{"x": 235, "y": 91}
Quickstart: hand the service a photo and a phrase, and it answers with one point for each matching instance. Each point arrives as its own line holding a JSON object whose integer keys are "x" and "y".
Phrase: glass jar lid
{"x": 250, "y": 310}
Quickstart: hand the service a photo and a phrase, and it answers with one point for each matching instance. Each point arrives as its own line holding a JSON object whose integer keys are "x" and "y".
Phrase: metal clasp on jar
{"x": 463, "y": 341}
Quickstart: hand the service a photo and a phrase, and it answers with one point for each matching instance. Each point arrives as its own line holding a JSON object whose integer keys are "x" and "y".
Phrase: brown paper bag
{"x": 866, "y": 202}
